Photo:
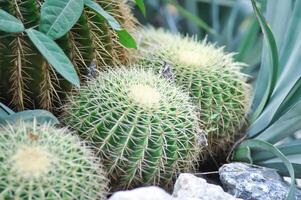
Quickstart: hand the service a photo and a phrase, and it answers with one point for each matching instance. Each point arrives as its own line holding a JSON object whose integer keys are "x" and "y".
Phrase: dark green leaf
{"x": 9, "y": 23}
{"x": 126, "y": 39}
{"x": 59, "y": 16}
{"x": 98, "y": 9}
{"x": 141, "y": 6}
{"x": 41, "y": 116}
{"x": 54, "y": 55}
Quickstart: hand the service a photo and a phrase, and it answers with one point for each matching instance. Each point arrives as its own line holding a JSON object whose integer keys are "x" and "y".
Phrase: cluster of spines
{"x": 141, "y": 141}
{"x": 28, "y": 81}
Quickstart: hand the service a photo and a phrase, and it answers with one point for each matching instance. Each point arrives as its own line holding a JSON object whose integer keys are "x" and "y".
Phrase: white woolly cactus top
{"x": 145, "y": 95}
{"x": 183, "y": 50}
{"x": 44, "y": 162}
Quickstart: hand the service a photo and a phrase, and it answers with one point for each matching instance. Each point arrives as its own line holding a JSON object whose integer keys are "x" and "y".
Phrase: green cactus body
{"x": 27, "y": 80}
{"x": 209, "y": 75}
{"x": 145, "y": 129}
{"x": 42, "y": 162}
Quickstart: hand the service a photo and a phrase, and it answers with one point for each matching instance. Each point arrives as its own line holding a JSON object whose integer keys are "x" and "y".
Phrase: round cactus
{"x": 211, "y": 77}
{"x": 26, "y": 78}
{"x": 144, "y": 128}
{"x": 43, "y": 162}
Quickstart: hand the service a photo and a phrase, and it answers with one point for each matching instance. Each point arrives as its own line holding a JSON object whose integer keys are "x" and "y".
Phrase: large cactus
{"x": 43, "y": 162}
{"x": 145, "y": 129}
{"x": 211, "y": 77}
{"x": 28, "y": 81}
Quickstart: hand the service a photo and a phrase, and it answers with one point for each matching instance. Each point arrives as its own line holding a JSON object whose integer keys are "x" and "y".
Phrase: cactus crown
{"x": 43, "y": 162}
{"x": 211, "y": 77}
{"x": 145, "y": 129}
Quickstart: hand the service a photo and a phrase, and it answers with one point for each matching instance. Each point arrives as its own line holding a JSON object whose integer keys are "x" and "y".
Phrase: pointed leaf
{"x": 126, "y": 39}
{"x": 41, "y": 116}
{"x": 9, "y": 23}
{"x": 267, "y": 77}
{"x": 98, "y": 9}
{"x": 54, "y": 55}
{"x": 59, "y": 16}
{"x": 5, "y": 111}
{"x": 141, "y": 6}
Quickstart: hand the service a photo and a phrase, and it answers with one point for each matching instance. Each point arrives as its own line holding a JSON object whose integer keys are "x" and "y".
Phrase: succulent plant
{"x": 145, "y": 129}
{"x": 211, "y": 77}
{"x": 28, "y": 81}
{"x": 44, "y": 162}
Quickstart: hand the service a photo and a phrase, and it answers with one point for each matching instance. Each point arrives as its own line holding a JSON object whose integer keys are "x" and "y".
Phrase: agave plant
{"x": 276, "y": 110}
{"x": 44, "y": 42}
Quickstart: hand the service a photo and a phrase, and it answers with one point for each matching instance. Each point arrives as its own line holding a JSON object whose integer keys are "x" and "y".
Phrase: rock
{"x": 143, "y": 193}
{"x": 251, "y": 182}
{"x": 190, "y": 187}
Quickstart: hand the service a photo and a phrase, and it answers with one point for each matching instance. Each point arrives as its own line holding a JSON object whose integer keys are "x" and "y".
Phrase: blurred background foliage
{"x": 229, "y": 23}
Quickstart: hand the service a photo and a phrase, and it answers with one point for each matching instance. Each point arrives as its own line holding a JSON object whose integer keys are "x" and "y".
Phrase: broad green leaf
{"x": 258, "y": 144}
{"x": 5, "y": 111}
{"x": 141, "y": 6}
{"x": 41, "y": 116}
{"x": 126, "y": 39}
{"x": 266, "y": 79}
{"x": 98, "y": 9}
{"x": 59, "y": 16}
{"x": 292, "y": 35}
{"x": 284, "y": 127}
{"x": 185, "y": 13}
{"x": 54, "y": 55}
{"x": 9, "y": 23}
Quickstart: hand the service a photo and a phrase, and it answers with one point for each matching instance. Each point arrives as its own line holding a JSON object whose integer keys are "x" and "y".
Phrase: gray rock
{"x": 143, "y": 193}
{"x": 251, "y": 182}
{"x": 190, "y": 187}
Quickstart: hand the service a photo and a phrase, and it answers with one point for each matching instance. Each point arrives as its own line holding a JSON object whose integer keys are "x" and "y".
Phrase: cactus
{"x": 211, "y": 77}
{"x": 28, "y": 81}
{"x": 43, "y": 162}
{"x": 144, "y": 128}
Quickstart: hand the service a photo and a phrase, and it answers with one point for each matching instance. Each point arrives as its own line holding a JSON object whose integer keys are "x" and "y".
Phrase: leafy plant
{"x": 44, "y": 42}
{"x": 144, "y": 129}
{"x": 276, "y": 111}
{"x": 44, "y": 162}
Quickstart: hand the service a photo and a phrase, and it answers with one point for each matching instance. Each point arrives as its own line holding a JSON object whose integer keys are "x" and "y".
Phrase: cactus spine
{"x": 211, "y": 77}
{"x": 43, "y": 162}
{"x": 145, "y": 129}
{"x": 27, "y": 80}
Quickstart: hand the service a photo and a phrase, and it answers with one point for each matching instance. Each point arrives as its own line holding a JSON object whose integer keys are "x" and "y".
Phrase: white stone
{"x": 144, "y": 193}
{"x": 190, "y": 187}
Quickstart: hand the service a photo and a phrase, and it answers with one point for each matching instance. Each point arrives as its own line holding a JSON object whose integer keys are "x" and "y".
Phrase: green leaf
{"x": 59, "y": 16}
{"x": 201, "y": 23}
{"x": 126, "y": 39}
{"x": 54, "y": 55}
{"x": 258, "y": 144}
{"x": 9, "y": 23}
{"x": 41, "y": 116}
{"x": 141, "y": 6}
{"x": 98, "y": 9}
{"x": 266, "y": 79}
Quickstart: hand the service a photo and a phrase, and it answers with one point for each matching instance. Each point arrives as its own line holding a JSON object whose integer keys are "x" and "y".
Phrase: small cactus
{"x": 144, "y": 128}
{"x": 42, "y": 162}
{"x": 211, "y": 77}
